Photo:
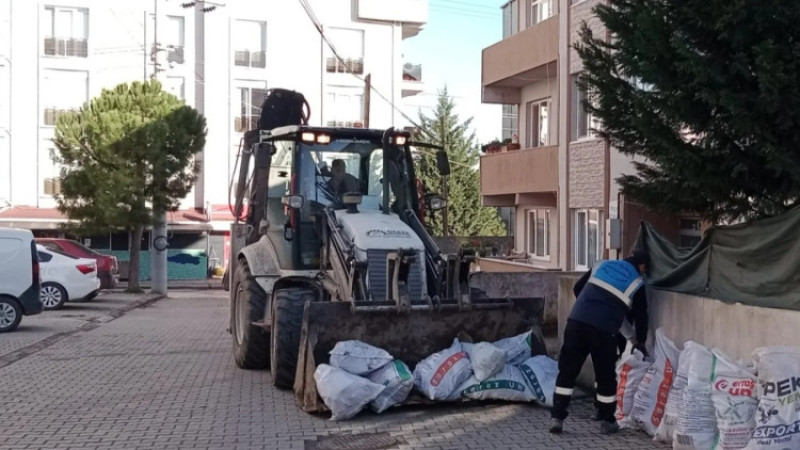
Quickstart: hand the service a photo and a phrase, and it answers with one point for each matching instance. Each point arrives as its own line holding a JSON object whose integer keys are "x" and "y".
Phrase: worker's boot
{"x": 609, "y": 427}
{"x": 556, "y": 426}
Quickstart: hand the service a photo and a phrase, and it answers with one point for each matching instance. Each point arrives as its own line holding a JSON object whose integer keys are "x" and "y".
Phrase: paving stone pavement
{"x": 162, "y": 377}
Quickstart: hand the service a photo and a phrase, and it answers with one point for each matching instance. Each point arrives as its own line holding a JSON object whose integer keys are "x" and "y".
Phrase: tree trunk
{"x": 136, "y": 252}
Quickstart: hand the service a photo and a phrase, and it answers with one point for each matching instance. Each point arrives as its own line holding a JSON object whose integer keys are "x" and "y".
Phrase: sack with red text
{"x": 650, "y": 400}
{"x": 777, "y": 425}
{"x": 667, "y": 426}
{"x": 630, "y": 371}
{"x": 438, "y": 375}
{"x": 734, "y": 396}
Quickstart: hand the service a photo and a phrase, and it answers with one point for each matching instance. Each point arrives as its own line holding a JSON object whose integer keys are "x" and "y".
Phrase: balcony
{"x": 528, "y": 176}
{"x": 66, "y": 47}
{"x": 412, "y": 80}
{"x": 519, "y": 60}
{"x": 246, "y": 58}
{"x": 413, "y": 14}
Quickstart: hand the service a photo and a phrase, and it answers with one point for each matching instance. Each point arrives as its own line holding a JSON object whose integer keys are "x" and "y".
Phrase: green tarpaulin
{"x": 756, "y": 263}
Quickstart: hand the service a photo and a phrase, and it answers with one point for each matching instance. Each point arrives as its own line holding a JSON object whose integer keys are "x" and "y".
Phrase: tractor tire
{"x": 249, "y": 302}
{"x": 287, "y": 322}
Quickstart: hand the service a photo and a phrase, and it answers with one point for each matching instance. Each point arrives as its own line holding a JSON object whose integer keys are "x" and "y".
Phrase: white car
{"x": 66, "y": 277}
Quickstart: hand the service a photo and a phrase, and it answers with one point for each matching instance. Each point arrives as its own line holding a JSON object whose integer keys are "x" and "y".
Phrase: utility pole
{"x": 158, "y": 236}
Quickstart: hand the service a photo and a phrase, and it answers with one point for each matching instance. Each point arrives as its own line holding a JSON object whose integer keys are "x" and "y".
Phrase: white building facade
{"x": 220, "y": 57}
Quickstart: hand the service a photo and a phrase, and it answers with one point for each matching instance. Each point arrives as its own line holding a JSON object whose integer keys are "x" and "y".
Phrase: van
{"x": 20, "y": 278}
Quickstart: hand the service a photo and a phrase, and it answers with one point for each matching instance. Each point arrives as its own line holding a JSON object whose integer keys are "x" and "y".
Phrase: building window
{"x": 66, "y": 31}
{"x": 539, "y": 10}
{"x": 539, "y": 233}
{"x": 510, "y": 18}
{"x": 176, "y": 39}
{"x": 344, "y": 108}
{"x": 52, "y": 186}
{"x": 510, "y": 120}
{"x": 583, "y": 122}
{"x": 588, "y": 238}
{"x": 349, "y": 46}
{"x": 176, "y": 86}
{"x": 250, "y": 44}
{"x": 250, "y": 100}
{"x": 538, "y": 123}
{"x": 690, "y": 232}
{"x": 63, "y": 91}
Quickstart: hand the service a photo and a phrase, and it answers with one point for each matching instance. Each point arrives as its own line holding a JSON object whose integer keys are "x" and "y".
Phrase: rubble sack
{"x": 540, "y": 372}
{"x": 438, "y": 375}
{"x": 733, "y": 393}
{"x": 359, "y": 358}
{"x": 507, "y": 385}
{"x": 517, "y": 348}
{"x": 777, "y": 421}
{"x": 674, "y": 402}
{"x": 653, "y": 391}
{"x": 344, "y": 393}
{"x": 697, "y": 421}
{"x": 630, "y": 371}
{"x": 397, "y": 382}
{"x": 486, "y": 359}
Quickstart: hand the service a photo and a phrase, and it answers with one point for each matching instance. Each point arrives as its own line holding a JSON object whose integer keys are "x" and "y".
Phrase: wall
{"x": 580, "y": 13}
{"x": 587, "y": 174}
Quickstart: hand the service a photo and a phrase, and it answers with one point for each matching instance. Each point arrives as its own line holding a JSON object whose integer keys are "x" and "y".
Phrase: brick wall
{"x": 586, "y": 174}
{"x": 578, "y": 14}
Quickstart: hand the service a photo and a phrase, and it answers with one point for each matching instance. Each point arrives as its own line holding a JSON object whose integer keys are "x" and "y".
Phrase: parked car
{"x": 66, "y": 277}
{"x": 20, "y": 278}
{"x": 107, "y": 265}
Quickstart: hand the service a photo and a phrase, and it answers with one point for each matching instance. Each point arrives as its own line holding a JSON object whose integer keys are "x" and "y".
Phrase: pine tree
{"x": 124, "y": 153}
{"x": 706, "y": 93}
{"x": 466, "y": 216}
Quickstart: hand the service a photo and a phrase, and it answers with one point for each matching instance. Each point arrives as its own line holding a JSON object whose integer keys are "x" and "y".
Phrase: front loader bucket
{"x": 409, "y": 337}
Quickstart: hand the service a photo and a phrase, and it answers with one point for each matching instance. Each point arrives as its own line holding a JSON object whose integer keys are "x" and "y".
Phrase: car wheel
{"x": 10, "y": 314}
{"x": 53, "y": 296}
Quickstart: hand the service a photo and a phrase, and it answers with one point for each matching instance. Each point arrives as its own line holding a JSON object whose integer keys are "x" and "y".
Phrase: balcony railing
{"x": 350, "y": 65}
{"x": 66, "y": 47}
{"x": 527, "y": 171}
{"x": 345, "y": 123}
{"x": 246, "y": 58}
{"x": 52, "y": 186}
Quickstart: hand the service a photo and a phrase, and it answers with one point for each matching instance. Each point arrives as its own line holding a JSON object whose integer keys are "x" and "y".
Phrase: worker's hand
{"x": 640, "y": 346}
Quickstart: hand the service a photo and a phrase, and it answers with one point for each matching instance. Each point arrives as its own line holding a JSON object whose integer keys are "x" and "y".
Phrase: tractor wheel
{"x": 287, "y": 321}
{"x": 250, "y": 343}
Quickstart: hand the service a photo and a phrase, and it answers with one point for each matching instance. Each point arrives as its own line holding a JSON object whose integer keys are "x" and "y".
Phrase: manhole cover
{"x": 366, "y": 441}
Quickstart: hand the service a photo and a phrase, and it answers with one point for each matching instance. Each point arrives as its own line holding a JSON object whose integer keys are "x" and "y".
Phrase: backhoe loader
{"x": 316, "y": 260}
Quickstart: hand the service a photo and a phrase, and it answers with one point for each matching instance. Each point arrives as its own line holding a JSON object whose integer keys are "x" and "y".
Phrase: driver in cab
{"x": 342, "y": 182}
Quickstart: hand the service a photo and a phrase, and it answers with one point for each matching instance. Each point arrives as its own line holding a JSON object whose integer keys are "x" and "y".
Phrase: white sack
{"x": 697, "y": 421}
{"x": 540, "y": 372}
{"x": 486, "y": 359}
{"x": 667, "y": 426}
{"x": 358, "y": 358}
{"x": 517, "y": 348}
{"x": 506, "y": 385}
{"x": 778, "y": 413}
{"x": 438, "y": 375}
{"x": 651, "y": 396}
{"x": 397, "y": 382}
{"x": 734, "y": 396}
{"x": 344, "y": 393}
{"x": 630, "y": 371}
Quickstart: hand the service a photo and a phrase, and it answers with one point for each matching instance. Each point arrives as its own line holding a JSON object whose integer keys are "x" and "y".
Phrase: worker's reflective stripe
{"x": 606, "y": 398}
{"x": 564, "y": 391}
{"x": 617, "y": 293}
{"x": 633, "y": 287}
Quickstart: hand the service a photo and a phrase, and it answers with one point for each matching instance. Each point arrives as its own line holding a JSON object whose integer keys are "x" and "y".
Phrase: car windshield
{"x": 85, "y": 248}
{"x": 346, "y": 165}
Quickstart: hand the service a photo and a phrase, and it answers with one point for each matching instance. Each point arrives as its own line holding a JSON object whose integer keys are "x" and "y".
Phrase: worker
{"x": 606, "y": 295}
{"x": 342, "y": 182}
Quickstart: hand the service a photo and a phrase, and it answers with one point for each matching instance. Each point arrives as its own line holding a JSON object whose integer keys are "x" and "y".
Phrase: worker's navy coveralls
{"x": 606, "y": 295}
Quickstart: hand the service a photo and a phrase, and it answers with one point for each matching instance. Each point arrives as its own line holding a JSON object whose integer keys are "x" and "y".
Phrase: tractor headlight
{"x": 437, "y": 203}
{"x": 293, "y": 201}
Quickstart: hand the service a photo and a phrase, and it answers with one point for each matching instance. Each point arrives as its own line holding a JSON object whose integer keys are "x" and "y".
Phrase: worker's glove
{"x": 640, "y": 346}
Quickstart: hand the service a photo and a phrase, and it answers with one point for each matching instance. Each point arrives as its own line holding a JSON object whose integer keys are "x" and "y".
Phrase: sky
{"x": 449, "y": 48}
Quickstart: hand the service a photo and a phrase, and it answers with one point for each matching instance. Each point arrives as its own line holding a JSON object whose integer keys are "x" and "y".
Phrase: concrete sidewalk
{"x": 207, "y": 284}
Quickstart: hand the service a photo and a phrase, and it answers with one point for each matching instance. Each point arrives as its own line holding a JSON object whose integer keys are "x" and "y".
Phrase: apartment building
{"x": 569, "y": 212}
{"x": 220, "y": 57}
